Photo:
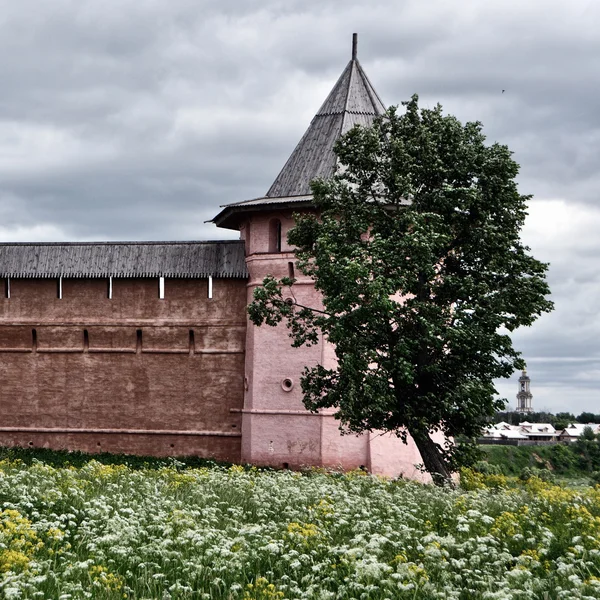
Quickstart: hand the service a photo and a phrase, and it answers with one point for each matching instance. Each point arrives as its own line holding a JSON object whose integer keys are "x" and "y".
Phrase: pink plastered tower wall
{"x": 277, "y": 430}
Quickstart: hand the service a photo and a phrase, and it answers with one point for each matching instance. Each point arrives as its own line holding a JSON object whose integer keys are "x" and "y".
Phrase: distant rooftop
{"x": 352, "y": 101}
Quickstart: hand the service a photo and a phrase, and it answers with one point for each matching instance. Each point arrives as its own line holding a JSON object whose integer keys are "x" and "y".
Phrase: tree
{"x": 588, "y": 434}
{"x": 562, "y": 420}
{"x": 588, "y": 417}
{"x": 416, "y": 252}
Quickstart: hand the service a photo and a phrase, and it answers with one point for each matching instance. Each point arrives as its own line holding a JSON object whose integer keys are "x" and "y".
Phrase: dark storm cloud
{"x": 136, "y": 120}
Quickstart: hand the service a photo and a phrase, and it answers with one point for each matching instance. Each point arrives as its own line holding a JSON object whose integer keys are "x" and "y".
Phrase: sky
{"x": 135, "y": 120}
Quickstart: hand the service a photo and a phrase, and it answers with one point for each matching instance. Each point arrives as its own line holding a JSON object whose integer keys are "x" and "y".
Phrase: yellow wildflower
{"x": 261, "y": 589}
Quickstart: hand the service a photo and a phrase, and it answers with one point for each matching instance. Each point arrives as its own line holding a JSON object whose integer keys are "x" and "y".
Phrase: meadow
{"x": 168, "y": 530}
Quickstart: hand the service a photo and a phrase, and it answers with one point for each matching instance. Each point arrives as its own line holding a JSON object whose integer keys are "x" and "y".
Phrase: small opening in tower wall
{"x": 138, "y": 344}
{"x": 7, "y": 287}
{"x": 161, "y": 288}
{"x": 110, "y": 288}
{"x": 291, "y": 270}
{"x": 247, "y": 238}
{"x": 59, "y": 289}
{"x": 275, "y": 236}
{"x": 287, "y": 384}
{"x": 86, "y": 340}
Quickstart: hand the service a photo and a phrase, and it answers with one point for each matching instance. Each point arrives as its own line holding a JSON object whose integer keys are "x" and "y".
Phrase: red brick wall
{"x": 75, "y": 372}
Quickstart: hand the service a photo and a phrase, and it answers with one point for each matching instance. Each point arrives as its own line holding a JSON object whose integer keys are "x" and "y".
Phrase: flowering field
{"x": 110, "y": 531}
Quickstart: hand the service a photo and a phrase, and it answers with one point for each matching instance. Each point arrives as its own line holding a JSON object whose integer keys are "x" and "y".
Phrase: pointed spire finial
{"x": 354, "y": 45}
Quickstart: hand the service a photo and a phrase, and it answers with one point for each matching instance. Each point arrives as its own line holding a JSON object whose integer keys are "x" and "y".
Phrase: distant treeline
{"x": 580, "y": 458}
{"x": 559, "y": 420}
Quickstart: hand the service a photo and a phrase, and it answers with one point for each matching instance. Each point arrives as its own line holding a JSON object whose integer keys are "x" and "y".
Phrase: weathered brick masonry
{"x": 132, "y": 373}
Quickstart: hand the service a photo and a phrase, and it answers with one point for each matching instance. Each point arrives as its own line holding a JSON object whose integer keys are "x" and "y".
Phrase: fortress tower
{"x": 524, "y": 395}
{"x": 276, "y": 428}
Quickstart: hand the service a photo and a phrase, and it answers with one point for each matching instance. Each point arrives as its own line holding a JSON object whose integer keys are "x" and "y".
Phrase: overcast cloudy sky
{"x": 136, "y": 119}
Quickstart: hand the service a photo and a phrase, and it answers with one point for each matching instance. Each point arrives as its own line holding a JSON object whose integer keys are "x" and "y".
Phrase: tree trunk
{"x": 432, "y": 459}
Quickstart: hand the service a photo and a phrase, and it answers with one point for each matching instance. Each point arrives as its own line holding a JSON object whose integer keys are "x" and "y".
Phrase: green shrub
{"x": 543, "y": 474}
{"x": 563, "y": 458}
{"x": 482, "y": 466}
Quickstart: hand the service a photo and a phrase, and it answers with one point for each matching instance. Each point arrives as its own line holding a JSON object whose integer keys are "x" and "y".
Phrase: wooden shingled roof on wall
{"x": 123, "y": 259}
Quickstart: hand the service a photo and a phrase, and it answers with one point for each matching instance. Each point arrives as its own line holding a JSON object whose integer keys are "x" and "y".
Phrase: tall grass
{"x": 163, "y": 531}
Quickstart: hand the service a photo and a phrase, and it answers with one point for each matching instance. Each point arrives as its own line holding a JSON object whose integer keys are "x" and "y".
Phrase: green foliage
{"x": 559, "y": 421}
{"x": 577, "y": 459}
{"x": 545, "y": 475}
{"x": 542, "y": 474}
{"x": 562, "y": 420}
{"x": 525, "y": 474}
{"x": 513, "y": 459}
{"x": 587, "y": 434}
{"x": 417, "y": 255}
{"x": 588, "y": 417}
{"x": 65, "y": 458}
{"x": 472, "y": 479}
{"x": 588, "y": 454}
{"x": 562, "y": 458}
{"x": 486, "y": 468}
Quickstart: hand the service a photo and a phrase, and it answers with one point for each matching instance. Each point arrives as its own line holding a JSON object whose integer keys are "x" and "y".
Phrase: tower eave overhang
{"x": 233, "y": 215}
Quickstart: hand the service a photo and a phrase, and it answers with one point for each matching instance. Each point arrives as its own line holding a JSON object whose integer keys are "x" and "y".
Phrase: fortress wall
{"x": 133, "y": 374}
{"x": 134, "y": 300}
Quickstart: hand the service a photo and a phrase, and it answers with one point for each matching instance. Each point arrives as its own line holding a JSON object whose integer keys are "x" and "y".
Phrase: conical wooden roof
{"x": 352, "y": 101}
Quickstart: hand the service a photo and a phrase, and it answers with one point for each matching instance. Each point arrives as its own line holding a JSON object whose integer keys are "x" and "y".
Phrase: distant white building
{"x": 575, "y": 430}
{"x": 503, "y": 431}
{"x": 540, "y": 432}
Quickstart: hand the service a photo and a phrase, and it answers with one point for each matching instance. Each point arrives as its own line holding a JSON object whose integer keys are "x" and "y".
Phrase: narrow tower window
{"x": 247, "y": 238}
{"x": 291, "y": 270}
{"x": 192, "y": 342}
{"x": 275, "y": 236}
{"x": 110, "y": 288}
{"x": 138, "y": 344}
{"x": 86, "y": 340}
{"x": 161, "y": 288}
{"x": 210, "y": 287}
{"x": 59, "y": 290}
{"x": 7, "y": 287}
{"x": 34, "y": 340}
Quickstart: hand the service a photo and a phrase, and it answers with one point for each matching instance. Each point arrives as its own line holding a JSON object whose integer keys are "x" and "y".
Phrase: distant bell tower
{"x": 524, "y": 395}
